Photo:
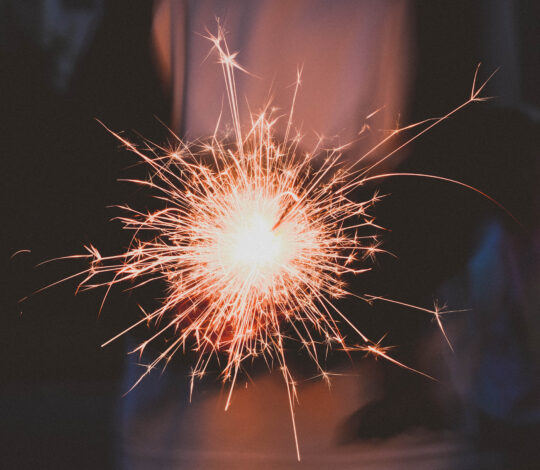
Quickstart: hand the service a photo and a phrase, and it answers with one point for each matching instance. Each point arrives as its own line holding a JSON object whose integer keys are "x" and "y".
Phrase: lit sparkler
{"x": 253, "y": 241}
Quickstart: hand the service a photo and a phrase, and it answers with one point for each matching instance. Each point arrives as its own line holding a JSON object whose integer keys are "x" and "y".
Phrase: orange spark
{"x": 253, "y": 241}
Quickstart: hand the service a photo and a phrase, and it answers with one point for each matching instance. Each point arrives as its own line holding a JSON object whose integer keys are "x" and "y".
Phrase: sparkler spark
{"x": 254, "y": 239}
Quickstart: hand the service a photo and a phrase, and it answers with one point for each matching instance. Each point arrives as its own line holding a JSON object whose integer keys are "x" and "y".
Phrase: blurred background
{"x": 66, "y": 63}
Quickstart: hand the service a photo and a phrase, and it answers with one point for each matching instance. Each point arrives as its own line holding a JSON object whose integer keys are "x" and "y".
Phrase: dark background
{"x": 65, "y": 63}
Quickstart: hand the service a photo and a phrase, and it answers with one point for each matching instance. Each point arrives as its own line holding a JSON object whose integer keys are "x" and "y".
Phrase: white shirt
{"x": 356, "y": 57}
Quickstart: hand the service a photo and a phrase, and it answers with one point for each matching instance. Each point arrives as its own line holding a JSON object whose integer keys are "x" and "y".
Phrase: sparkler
{"x": 253, "y": 240}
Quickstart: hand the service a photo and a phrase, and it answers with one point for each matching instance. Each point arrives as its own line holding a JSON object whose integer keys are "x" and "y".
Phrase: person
{"x": 343, "y": 48}
{"x": 356, "y": 57}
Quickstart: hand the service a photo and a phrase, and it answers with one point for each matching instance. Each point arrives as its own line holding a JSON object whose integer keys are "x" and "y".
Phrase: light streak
{"x": 253, "y": 240}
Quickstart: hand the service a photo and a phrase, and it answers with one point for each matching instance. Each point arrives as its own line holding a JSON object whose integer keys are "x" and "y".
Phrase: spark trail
{"x": 253, "y": 241}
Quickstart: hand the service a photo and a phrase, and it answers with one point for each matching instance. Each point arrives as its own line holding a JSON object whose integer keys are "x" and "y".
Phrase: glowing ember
{"x": 244, "y": 248}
